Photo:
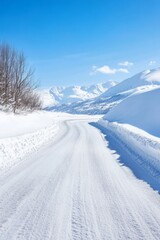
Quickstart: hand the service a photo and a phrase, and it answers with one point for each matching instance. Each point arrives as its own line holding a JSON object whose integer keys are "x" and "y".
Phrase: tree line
{"x": 17, "y": 86}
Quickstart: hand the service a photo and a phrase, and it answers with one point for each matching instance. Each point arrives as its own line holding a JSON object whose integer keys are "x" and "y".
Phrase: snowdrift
{"x": 141, "y": 110}
{"x": 133, "y": 128}
{"x": 22, "y": 134}
{"x": 137, "y": 149}
{"x": 12, "y": 150}
{"x": 12, "y": 125}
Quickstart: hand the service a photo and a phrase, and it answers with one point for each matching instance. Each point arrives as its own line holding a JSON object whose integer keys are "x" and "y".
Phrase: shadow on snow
{"x": 129, "y": 158}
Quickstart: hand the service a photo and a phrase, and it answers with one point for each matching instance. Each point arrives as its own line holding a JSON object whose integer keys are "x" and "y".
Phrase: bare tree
{"x": 16, "y": 81}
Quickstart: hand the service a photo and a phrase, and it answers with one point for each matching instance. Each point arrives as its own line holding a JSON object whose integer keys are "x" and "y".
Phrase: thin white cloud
{"x": 151, "y": 63}
{"x": 107, "y": 70}
{"x": 126, "y": 64}
{"x": 124, "y": 70}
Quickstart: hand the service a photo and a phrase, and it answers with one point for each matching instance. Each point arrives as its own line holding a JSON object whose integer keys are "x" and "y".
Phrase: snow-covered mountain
{"x": 141, "y": 82}
{"x": 66, "y": 95}
{"x": 145, "y": 78}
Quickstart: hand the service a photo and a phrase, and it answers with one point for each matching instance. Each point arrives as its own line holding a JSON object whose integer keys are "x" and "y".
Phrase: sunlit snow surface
{"x": 84, "y": 177}
{"x": 74, "y": 187}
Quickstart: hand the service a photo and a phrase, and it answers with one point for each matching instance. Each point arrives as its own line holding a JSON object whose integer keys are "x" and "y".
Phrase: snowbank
{"x": 12, "y": 150}
{"x": 143, "y": 150}
{"x": 23, "y": 134}
{"x": 133, "y": 126}
{"x": 12, "y": 125}
{"x": 141, "y": 110}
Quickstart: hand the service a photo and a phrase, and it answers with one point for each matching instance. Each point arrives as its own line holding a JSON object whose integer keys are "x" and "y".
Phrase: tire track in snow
{"x": 74, "y": 188}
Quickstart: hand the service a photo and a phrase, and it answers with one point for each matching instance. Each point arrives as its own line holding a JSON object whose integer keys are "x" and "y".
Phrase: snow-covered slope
{"x": 141, "y": 82}
{"x": 65, "y": 95}
{"x": 46, "y": 98}
{"x": 148, "y": 77}
{"x": 141, "y": 109}
{"x": 134, "y": 124}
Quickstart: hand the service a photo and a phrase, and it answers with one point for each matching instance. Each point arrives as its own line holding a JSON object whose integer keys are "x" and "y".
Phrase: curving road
{"x": 74, "y": 188}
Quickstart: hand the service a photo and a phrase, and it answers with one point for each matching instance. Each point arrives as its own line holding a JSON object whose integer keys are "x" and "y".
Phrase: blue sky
{"x": 71, "y": 42}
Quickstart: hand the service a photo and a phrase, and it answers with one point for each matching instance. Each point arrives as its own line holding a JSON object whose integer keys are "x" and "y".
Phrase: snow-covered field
{"x": 12, "y": 125}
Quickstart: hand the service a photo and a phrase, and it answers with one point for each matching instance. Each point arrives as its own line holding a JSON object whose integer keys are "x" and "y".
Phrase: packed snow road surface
{"x": 74, "y": 188}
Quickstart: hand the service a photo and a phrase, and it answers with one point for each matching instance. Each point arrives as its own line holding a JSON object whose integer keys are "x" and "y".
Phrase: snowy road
{"x": 74, "y": 188}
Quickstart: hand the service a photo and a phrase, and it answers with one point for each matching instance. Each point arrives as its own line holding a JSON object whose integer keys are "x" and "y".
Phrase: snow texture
{"x": 23, "y": 134}
{"x": 141, "y": 110}
{"x": 143, "y": 150}
{"x": 74, "y": 188}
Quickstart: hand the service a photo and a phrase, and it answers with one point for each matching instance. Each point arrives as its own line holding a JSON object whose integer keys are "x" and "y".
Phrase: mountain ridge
{"x": 65, "y": 95}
